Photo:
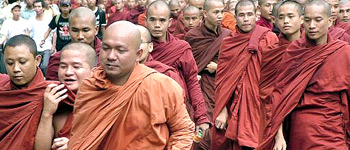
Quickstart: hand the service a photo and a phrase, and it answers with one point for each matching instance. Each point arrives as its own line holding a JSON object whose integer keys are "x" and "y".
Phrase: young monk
{"x": 265, "y": 7}
{"x": 344, "y": 11}
{"x": 176, "y": 15}
{"x": 205, "y": 41}
{"x": 21, "y": 94}
{"x": 237, "y": 103}
{"x": 137, "y": 102}
{"x": 82, "y": 29}
{"x": 310, "y": 100}
{"x": 192, "y": 17}
{"x": 177, "y": 53}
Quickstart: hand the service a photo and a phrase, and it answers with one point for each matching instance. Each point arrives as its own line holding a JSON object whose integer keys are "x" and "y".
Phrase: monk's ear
{"x": 330, "y": 22}
{"x": 37, "y": 60}
{"x": 273, "y": 19}
{"x": 150, "y": 47}
{"x": 139, "y": 54}
{"x": 302, "y": 20}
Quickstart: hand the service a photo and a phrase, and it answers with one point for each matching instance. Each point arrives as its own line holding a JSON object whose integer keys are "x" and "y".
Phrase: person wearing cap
{"x": 61, "y": 24}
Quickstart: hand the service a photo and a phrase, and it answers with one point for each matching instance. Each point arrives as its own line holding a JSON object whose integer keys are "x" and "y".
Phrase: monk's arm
{"x": 269, "y": 40}
{"x": 45, "y": 133}
{"x": 190, "y": 72}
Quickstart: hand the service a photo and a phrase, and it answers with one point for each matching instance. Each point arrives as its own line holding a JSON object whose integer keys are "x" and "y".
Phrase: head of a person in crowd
{"x": 16, "y": 12}
{"x": 182, "y": 3}
{"x": 334, "y": 8}
{"x": 213, "y": 11}
{"x": 146, "y": 43}
{"x": 76, "y": 64}
{"x": 344, "y": 11}
{"x": 21, "y": 59}
{"x": 317, "y": 20}
{"x": 265, "y": 7}
{"x": 175, "y": 8}
{"x": 65, "y": 6}
{"x": 289, "y": 18}
{"x": 245, "y": 14}
{"x": 120, "y": 51}
{"x": 91, "y": 3}
{"x": 142, "y": 3}
{"x": 191, "y": 17}
{"x": 197, "y": 3}
{"x": 48, "y": 2}
{"x": 119, "y": 4}
{"x": 131, "y": 4}
{"x": 29, "y": 3}
{"x": 231, "y": 5}
{"x": 82, "y": 25}
{"x": 302, "y": 2}
{"x": 102, "y": 7}
{"x": 158, "y": 19}
{"x": 39, "y": 6}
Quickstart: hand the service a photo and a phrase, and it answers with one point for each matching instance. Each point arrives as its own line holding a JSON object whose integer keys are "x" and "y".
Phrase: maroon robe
{"x": 180, "y": 30}
{"x": 174, "y": 22}
{"x": 134, "y": 14}
{"x": 311, "y": 96}
{"x": 339, "y": 33}
{"x": 343, "y": 25}
{"x": 117, "y": 16}
{"x": 177, "y": 53}
{"x": 237, "y": 88}
{"x": 264, "y": 23}
{"x": 205, "y": 47}
{"x": 54, "y": 61}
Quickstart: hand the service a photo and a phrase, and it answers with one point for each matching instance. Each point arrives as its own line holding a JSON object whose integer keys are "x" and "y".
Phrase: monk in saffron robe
{"x": 80, "y": 19}
{"x": 237, "y": 102}
{"x": 310, "y": 100}
{"x": 177, "y": 53}
{"x": 265, "y": 7}
{"x": 192, "y": 17}
{"x": 21, "y": 94}
{"x": 76, "y": 64}
{"x": 205, "y": 41}
{"x": 120, "y": 13}
{"x": 126, "y": 105}
{"x": 176, "y": 15}
{"x": 228, "y": 20}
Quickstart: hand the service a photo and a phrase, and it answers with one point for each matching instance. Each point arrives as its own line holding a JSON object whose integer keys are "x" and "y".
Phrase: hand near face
{"x": 53, "y": 95}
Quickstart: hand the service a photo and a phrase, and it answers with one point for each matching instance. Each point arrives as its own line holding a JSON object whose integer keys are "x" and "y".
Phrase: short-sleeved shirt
{"x": 38, "y": 31}
{"x": 12, "y": 28}
{"x": 27, "y": 13}
{"x": 62, "y": 27}
{"x": 100, "y": 20}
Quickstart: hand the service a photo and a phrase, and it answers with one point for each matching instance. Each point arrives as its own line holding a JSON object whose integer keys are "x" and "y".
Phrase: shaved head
{"x": 147, "y": 45}
{"x": 145, "y": 35}
{"x": 159, "y": 5}
{"x": 83, "y": 12}
{"x": 296, "y": 4}
{"x": 85, "y": 50}
{"x": 191, "y": 9}
{"x": 231, "y": 4}
{"x": 343, "y": 2}
{"x": 197, "y": 3}
{"x": 344, "y": 11}
{"x": 324, "y": 4}
{"x": 244, "y": 3}
{"x": 208, "y": 3}
{"x": 173, "y": 3}
{"x": 132, "y": 32}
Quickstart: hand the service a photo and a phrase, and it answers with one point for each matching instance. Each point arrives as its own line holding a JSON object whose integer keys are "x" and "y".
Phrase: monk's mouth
{"x": 18, "y": 77}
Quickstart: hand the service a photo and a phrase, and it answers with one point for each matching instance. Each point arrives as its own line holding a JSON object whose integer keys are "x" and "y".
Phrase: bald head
{"x": 191, "y": 9}
{"x": 244, "y": 3}
{"x": 322, "y": 3}
{"x": 159, "y": 5}
{"x": 344, "y": 2}
{"x": 174, "y": 3}
{"x": 344, "y": 11}
{"x": 209, "y": 3}
{"x": 231, "y": 4}
{"x": 298, "y": 7}
{"x": 83, "y": 13}
{"x": 147, "y": 45}
{"x": 84, "y": 50}
{"x": 132, "y": 33}
{"x": 197, "y": 3}
{"x": 145, "y": 34}
{"x": 175, "y": 8}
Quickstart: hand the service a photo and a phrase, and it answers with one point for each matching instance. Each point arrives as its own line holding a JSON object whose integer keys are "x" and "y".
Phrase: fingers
{"x": 49, "y": 87}
{"x": 220, "y": 124}
{"x": 60, "y": 143}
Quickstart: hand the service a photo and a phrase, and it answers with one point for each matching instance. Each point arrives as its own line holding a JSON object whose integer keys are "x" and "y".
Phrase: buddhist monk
{"x": 265, "y": 7}
{"x": 192, "y": 17}
{"x": 196, "y": 3}
{"x": 205, "y": 41}
{"x": 178, "y": 54}
{"x": 338, "y": 30}
{"x": 310, "y": 100}
{"x": 183, "y": 3}
{"x": 76, "y": 64}
{"x": 120, "y": 13}
{"x": 82, "y": 29}
{"x": 135, "y": 10}
{"x": 237, "y": 103}
{"x": 228, "y": 20}
{"x": 176, "y": 15}
{"x": 142, "y": 109}
{"x": 344, "y": 11}
{"x": 141, "y": 20}
{"x": 21, "y": 94}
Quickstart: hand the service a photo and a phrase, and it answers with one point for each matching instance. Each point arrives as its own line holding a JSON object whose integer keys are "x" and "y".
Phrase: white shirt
{"x": 38, "y": 29}
{"x": 11, "y": 27}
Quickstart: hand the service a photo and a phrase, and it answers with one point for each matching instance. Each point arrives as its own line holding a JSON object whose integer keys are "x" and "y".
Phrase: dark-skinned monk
{"x": 237, "y": 101}
{"x": 178, "y": 54}
{"x": 310, "y": 99}
{"x": 142, "y": 109}
{"x": 76, "y": 64}
{"x": 82, "y": 29}
{"x": 228, "y": 20}
{"x": 265, "y": 7}
{"x": 205, "y": 41}
{"x": 176, "y": 15}
{"x": 21, "y": 94}
{"x": 192, "y": 17}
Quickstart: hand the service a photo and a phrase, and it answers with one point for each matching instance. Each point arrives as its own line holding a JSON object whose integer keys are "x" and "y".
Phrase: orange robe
{"x": 147, "y": 112}
{"x": 141, "y": 19}
{"x": 237, "y": 88}
{"x": 229, "y": 21}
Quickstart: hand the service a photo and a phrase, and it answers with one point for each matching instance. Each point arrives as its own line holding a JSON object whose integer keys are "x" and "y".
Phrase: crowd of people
{"x": 175, "y": 74}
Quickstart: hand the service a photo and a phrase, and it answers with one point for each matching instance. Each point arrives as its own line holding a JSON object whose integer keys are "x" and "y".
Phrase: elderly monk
{"x": 177, "y": 53}
{"x": 121, "y": 13}
{"x": 205, "y": 41}
{"x": 147, "y": 59}
{"x": 176, "y": 15}
{"x": 124, "y": 101}
{"x": 228, "y": 20}
{"x": 265, "y": 7}
{"x": 141, "y": 20}
{"x": 76, "y": 64}
{"x": 338, "y": 30}
{"x": 191, "y": 19}
{"x": 310, "y": 100}
{"x": 21, "y": 94}
{"x": 344, "y": 11}
{"x": 237, "y": 103}
{"x": 82, "y": 29}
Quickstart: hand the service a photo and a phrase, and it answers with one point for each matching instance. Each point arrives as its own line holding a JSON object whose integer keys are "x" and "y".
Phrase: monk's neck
{"x": 211, "y": 27}
{"x": 269, "y": 21}
{"x": 320, "y": 41}
{"x": 119, "y": 81}
{"x": 163, "y": 38}
{"x": 292, "y": 37}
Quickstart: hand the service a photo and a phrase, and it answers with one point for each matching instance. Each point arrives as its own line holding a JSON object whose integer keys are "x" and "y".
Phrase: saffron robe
{"x": 141, "y": 19}
{"x": 147, "y": 112}
{"x": 229, "y": 21}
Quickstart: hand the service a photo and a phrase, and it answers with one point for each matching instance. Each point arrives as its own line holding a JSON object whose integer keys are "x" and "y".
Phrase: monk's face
{"x": 316, "y": 23}
{"x": 232, "y": 7}
{"x": 197, "y": 3}
{"x": 191, "y": 19}
{"x": 119, "y": 5}
{"x": 214, "y": 15}
{"x": 344, "y": 12}
{"x": 246, "y": 17}
{"x": 131, "y": 4}
{"x": 266, "y": 8}
{"x": 82, "y": 29}
{"x": 182, "y": 3}
{"x": 175, "y": 10}
{"x": 158, "y": 22}
{"x": 21, "y": 64}
{"x": 73, "y": 69}
{"x": 334, "y": 8}
{"x": 142, "y": 3}
{"x": 288, "y": 19}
